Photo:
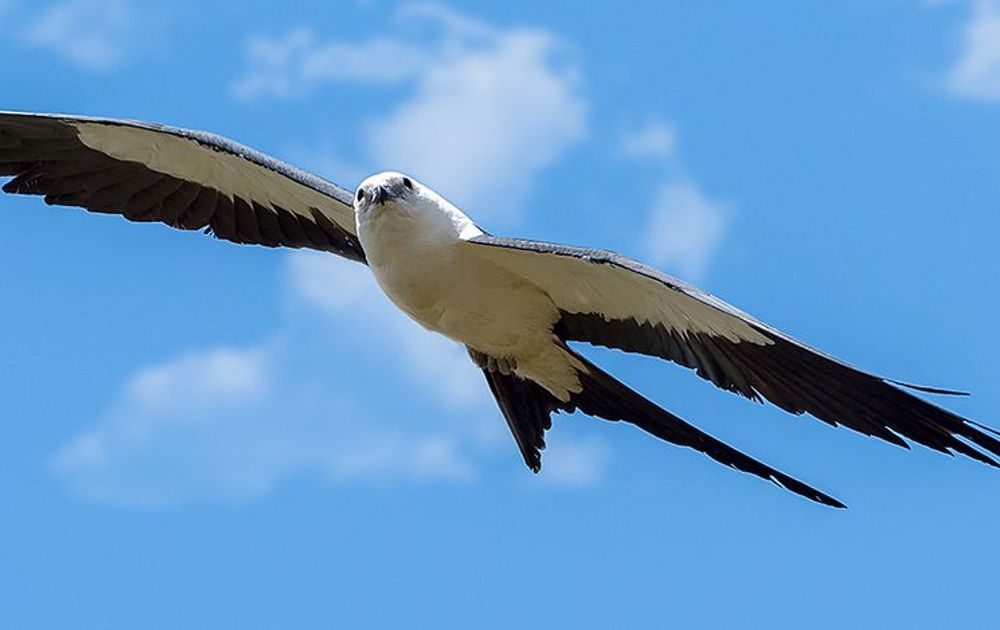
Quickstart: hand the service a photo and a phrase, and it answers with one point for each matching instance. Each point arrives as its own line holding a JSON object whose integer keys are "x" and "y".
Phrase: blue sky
{"x": 201, "y": 435}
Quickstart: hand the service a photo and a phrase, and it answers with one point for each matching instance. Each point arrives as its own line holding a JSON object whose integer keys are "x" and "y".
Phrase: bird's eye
{"x": 408, "y": 183}
{"x": 361, "y": 194}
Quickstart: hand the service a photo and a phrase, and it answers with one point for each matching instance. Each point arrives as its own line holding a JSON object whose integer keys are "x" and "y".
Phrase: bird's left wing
{"x": 187, "y": 179}
{"x": 610, "y": 300}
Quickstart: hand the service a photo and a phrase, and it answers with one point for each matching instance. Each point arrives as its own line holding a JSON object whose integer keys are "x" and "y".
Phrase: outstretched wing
{"x": 609, "y": 300}
{"x": 187, "y": 179}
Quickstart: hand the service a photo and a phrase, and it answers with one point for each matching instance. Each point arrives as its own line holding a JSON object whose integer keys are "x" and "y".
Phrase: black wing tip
{"x": 827, "y": 500}
{"x": 795, "y": 486}
{"x": 804, "y": 490}
{"x": 830, "y": 502}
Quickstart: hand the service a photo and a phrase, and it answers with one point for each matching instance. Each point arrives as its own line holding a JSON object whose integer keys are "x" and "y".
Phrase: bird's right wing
{"x": 607, "y": 299}
{"x": 190, "y": 180}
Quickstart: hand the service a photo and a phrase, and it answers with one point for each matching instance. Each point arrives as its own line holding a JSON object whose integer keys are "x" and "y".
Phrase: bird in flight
{"x": 515, "y": 304}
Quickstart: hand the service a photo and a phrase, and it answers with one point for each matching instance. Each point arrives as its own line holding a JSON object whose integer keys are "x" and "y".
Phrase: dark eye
{"x": 408, "y": 183}
{"x": 361, "y": 194}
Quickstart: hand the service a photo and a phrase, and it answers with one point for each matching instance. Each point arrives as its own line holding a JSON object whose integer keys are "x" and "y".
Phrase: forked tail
{"x": 527, "y": 407}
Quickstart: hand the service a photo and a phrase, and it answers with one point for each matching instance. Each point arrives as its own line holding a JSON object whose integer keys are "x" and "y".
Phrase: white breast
{"x": 413, "y": 257}
{"x": 413, "y": 250}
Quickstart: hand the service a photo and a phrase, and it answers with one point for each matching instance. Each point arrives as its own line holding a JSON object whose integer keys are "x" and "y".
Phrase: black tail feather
{"x": 528, "y": 408}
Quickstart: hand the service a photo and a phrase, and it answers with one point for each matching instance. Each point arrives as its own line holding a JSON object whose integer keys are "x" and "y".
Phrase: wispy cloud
{"x": 487, "y": 110}
{"x": 574, "y": 463}
{"x": 94, "y": 35}
{"x": 656, "y": 139}
{"x": 232, "y": 423}
{"x": 294, "y": 64}
{"x": 975, "y": 73}
{"x": 685, "y": 226}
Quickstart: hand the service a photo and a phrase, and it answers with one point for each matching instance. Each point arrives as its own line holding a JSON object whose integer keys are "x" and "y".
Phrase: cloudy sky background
{"x": 201, "y": 434}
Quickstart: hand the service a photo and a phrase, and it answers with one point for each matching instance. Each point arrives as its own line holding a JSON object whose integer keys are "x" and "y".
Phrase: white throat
{"x": 411, "y": 238}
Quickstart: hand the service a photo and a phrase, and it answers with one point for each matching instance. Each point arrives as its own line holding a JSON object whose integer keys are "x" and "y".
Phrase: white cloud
{"x": 482, "y": 124}
{"x": 165, "y": 424}
{"x": 976, "y": 72}
{"x": 296, "y": 63}
{"x": 92, "y": 34}
{"x": 574, "y": 462}
{"x": 685, "y": 228}
{"x": 657, "y": 139}
{"x": 231, "y": 424}
{"x": 487, "y": 109}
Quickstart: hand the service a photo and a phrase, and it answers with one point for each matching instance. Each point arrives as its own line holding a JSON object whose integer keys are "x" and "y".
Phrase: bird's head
{"x": 385, "y": 188}
{"x": 401, "y": 195}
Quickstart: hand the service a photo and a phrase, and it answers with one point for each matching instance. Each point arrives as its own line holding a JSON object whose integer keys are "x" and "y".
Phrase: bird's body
{"x": 516, "y": 305}
{"x": 415, "y": 241}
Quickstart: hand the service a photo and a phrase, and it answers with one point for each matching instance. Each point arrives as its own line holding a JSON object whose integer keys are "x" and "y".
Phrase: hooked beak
{"x": 379, "y": 195}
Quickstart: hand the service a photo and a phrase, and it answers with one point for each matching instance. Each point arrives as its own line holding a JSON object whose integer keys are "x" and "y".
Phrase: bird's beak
{"x": 379, "y": 194}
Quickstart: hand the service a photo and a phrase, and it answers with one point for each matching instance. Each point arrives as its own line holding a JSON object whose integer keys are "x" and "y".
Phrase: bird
{"x": 516, "y": 305}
